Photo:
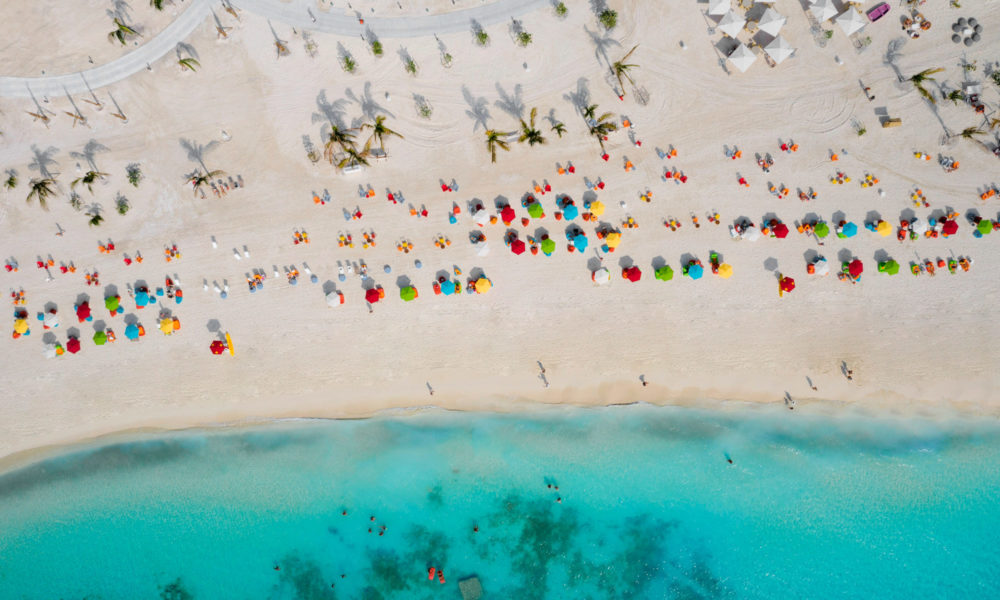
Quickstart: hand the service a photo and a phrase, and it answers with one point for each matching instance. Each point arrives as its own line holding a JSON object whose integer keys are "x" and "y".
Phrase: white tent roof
{"x": 850, "y": 21}
{"x": 719, "y": 7}
{"x": 732, "y": 24}
{"x": 771, "y": 21}
{"x": 779, "y": 49}
{"x": 742, "y": 57}
{"x": 823, "y": 10}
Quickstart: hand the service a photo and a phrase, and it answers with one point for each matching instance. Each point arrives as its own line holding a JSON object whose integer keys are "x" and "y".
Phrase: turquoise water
{"x": 812, "y": 508}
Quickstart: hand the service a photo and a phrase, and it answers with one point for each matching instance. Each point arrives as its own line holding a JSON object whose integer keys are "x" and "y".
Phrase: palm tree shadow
{"x": 89, "y": 152}
{"x": 196, "y": 152}
{"x": 512, "y": 104}
{"x": 893, "y": 52}
{"x": 369, "y": 107}
{"x": 478, "y": 111}
{"x": 42, "y": 160}
{"x": 581, "y": 97}
{"x": 602, "y": 43}
{"x": 184, "y": 48}
{"x": 120, "y": 10}
{"x": 328, "y": 113}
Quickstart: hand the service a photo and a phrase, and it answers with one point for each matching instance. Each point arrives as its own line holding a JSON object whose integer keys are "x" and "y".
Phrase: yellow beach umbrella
{"x": 229, "y": 344}
{"x": 613, "y": 240}
{"x": 167, "y": 326}
{"x": 483, "y": 285}
{"x": 884, "y": 229}
{"x": 597, "y": 208}
{"x": 20, "y": 326}
{"x": 725, "y": 270}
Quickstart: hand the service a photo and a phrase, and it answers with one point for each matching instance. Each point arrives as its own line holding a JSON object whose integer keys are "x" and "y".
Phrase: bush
{"x": 561, "y": 9}
{"x": 411, "y": 66}
{"x": 122, "y": 204}
{"x": 446, "y": 60}
{"x": 482, "y": 38}
{"x": 348, "y": 64}
{"x": 608, "y": 18}
{"x": 862, "y": 131}
{"x": 377, "y": 48}
{"x": 995, "y": 76}
{"x": 134, "y": 174}
{"x": 523, "y": 39}
{"x": 424, "y": 108}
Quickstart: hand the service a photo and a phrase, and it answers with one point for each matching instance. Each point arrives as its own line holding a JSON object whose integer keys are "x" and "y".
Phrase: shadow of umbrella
{"x": 213, "y": 326}
{"x": 771, "y": 264}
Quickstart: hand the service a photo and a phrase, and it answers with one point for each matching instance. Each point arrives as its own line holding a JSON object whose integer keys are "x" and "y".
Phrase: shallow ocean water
{"x": 811, "y": 507}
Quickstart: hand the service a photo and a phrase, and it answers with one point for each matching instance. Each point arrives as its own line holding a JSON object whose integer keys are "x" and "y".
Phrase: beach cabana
{"x": 633, "y": 274}
{"x": 732, "y": 24}
{"x": 771, "y": 23}
{"x": 719, "y": 7}
{"x": 334, "y": 298}
{"x": 132, "y": 332}
{"x": 483, "y": 285}
{"x": 823, "y": 10}
{"x": 517, "y": 247}
{"x": 372, "y": 296}
{"x": 779, "y": 49}
{"x": 408, "y": 293}
{"x": 725, "y": 270}
{"x": 664, "y": 273}
{"x": 851, "y": 21}
{"x": 742, "y": 57}
{"x": 73, "y": 345}
{"x": 601, "y": 276}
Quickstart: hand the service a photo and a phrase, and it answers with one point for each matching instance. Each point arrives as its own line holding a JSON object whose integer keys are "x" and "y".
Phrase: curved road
{"x": 292, "y": 13}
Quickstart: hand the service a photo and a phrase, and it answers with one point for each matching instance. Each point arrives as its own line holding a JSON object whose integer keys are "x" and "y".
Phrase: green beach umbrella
{"x": 408, "y": 293}
{"x": 111, "y": 303}
{"x": 890, "y": 267}
{"x": 985, "y": 226}
{"x": 821, "y": 230}
{"x": 664, "y": 273}
{"x": 548, "y": 246}
{"x": 535, "y": 210}
{"x": 100, "y": 338}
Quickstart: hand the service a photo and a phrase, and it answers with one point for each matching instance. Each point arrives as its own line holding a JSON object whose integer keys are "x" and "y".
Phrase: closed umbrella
{"x": 507, "y": 215}
{"x": 855, "y": 268}
{"x": 695, "y": 271}
{"x": 780, "y": 230}
{"x": 570, "y": 212}
{"x": 950, "y": 228}
{"x": 548, "y": 246}
{"x": 100, "y": 338}
{"x": 633, "y": 274}
{"x": 664, "y": 273}
{"x": 821, "y": 230}
{"x": 883, "y": 229}
{"x": 725, "y": 270}
{"x": 372, "y": 296}
{"x": 408, "y": 293}
{"x": 535, "y": 210}
{"x": 83, "y": 311}
{"x": 601, "y": 276}
{"x": 483, "y": 285}
{"x": 597, "y": 208}
{"x": 580, "y": 242}
{"x": 517, "y": 247}
{"x": 132, "y": 331}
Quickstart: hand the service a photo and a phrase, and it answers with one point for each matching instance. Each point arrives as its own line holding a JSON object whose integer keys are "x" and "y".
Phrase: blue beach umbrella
{"x": 695, "y": 271}
{"x": 848, "y": 230}
{"x": 132, "y": 332}
{"x": 448, "y": 288}
{"x": 580, "y": 242}
{"x": 141, "y": 299}
{"x": 570, "y": 211}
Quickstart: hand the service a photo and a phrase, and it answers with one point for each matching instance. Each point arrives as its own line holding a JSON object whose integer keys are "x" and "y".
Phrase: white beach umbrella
{"x": 334, "y": 299}
{"x": 779, "y": 49}
{"x": 823, "y": 10}
{"x": 751, "y": 233}
{"x": 51, "y": 320}
{"x": 918, "y": 227}
{"x": 742, "y": 57}
{"x": 602, "y": 276}
{"x": 49, "y": 351}
{"x": 482, "y": 249}
{"x": 481, "y": 217}
{"x": 822, "y": 267}
{"x": 771, "y": 21}
{"x": 732, "y": 24}
{"x": 850, "y": 21}
{"x": 719, "y": 7}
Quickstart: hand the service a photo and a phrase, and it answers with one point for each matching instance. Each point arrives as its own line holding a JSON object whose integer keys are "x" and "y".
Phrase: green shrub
{"x": 608, "y": 18}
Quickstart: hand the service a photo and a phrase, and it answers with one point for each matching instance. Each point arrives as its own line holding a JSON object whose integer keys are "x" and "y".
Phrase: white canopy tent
{"x": 719, "y": 7}
{"x": 823, "y": 10}
{"x": 779, "y": 49}
{"x": 771, "y": 21}
{"x": 732, "y": 24}
{"x": 850, "y": 21}
{"x": 742, "y": 57}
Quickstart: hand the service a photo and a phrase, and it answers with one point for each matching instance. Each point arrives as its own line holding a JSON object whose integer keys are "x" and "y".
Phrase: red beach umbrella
{"x": 73, "y": 345}
{"x": 372, "y": 296}
{"x": 786, "y": 284}
{"x": 517, "y": 247}
{"x": 507, "y": 215}
{"x": 780, "y": 230}
{"x": 950, "y": 228}
{"x": 217, "y": 347}
{"x": 633, "y": 274}
{"x": 855, "y": 268}
{"x": 83, "y": 311}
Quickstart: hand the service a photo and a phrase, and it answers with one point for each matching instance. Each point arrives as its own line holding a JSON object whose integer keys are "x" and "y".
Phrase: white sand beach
{"x": 915, "y": 344}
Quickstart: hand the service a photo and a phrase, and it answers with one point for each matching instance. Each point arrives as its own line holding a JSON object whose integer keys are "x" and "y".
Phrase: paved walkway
{"x": 295, "y": 13}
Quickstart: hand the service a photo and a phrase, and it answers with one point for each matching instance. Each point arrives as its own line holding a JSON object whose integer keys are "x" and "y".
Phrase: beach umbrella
{"x": 890, "y": 267}
{"x": 570, "y": 212}
{"x": 51, "y": 320}
{"x": 613, "y": 239}
{"x": 821, "y": 230}
{"x": 751, "y": 233}
{"x": 49, "y": 351}
{"x": 731, "y": 24}
{"x": 20, "y": 326}
{"x": 771, "y": 23}
{"x": 132, "y": 332}
{"x": 850, "y": 21}
{"x": 73, "y": 345}
{"x": 217, "y": 347}
{"x": 229, "y": 344}
{"x": 535, "y": 210}
{"x": 548, "y": 246}
{"x": 719, "y": 7}
{"x": 695, "y": 271}
{"x": 481, "y": 217}
{"x": 448, "y": 287}
{"x": 742, "y": 57}
{"x": 601, "y": 276}
{"x": 581, "y": 241}
{"x": 100, "y": 338}
{"x": 83, "y": 311}
{"x": 855, "y": 268}
{"x": 786, "y": 284}
{"x": 985, "y": 226}
{"x": 780, "y": 230}
{"x": 823, "y": 10}
{"x": 822, "y": 267}
{"x": 597, "y": 208}
{"x": 408, "y": 293}
{"x": 918, "y": 227}
{"x": 167, "y": 326}
{"x": 141, "y": 299}
{"x": 111, "y": 303}
{"x": 848, "y": 230}
{"x": 779, "y": 49}
{"x": 483, "y": 285}
{"x": 507, "y": 215}
{"x": 517, "y": 247}
{"x": 664, "y": 273}
{"x": 883, "y": 229}
{"x": 482, "y": 249}
{"x": 725, "y": 270}
{"x": 633, "y": 274}
{"x": 372, "y": 296}
{"x": 950, "y": 228}
{"x": 334, "y": 298}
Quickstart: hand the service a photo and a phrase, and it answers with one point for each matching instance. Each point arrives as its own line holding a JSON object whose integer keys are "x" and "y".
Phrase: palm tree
{"x": 559, "y": 128}
{"x": 379, "y": 131}
{"x": 956, "y": 96}
{"x": 994, "y": 123}
{"x": 621, "y": 69}
{"x": 189, "y": 63}
{"x": 353, "y": 158}
{"x": 528, "y": 132}
{"x": 198, "y": 179}
{"x": 920, "y": 78}
{"x": 337, "y": 137}
{"x": 95, "y": 218}
{"x": 88, "y": 179}
{"x": 41, "y": 189}
{"x": 157, "y": 4}
{"x": 121, "y": 32}
{"x": 599, "y": 126}
{"x": 494, "y": 140}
